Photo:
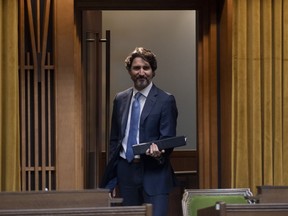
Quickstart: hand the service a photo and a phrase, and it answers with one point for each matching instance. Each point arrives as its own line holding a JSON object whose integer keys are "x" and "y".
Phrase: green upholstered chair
{"x": 194, "y": 199}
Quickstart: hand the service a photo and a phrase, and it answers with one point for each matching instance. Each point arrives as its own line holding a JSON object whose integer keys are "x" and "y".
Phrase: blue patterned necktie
{"x": 134, "y": 121}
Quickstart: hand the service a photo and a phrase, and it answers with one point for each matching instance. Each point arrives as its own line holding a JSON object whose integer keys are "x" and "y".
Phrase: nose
{"x": 141, "y": 71}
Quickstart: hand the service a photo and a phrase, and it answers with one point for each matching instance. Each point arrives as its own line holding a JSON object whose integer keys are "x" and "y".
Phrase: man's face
{"x": 141, "y": 73}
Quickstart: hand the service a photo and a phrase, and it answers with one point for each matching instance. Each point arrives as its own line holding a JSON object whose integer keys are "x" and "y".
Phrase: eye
{"x": 146, "y": 67}
{"x": 136, "y": 67}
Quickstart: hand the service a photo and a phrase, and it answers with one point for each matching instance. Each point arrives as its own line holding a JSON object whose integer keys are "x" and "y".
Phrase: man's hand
{"x": 153, "y": 151}
{"x": 113, "y": 193}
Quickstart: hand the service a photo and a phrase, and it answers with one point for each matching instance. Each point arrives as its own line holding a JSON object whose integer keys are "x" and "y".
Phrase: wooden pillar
{"x": 69, "y": 143}
{"x": 207, "y": 103}
{"x": 225, "y": 72}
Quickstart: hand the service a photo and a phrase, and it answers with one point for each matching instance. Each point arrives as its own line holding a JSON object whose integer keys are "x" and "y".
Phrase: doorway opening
{"x": 171, "y": 35}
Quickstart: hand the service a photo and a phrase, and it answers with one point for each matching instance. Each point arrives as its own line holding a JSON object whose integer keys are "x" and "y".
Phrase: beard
{"x": 141, "y": 83}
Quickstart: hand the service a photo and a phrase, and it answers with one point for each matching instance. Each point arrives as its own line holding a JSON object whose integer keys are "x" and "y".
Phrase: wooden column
{"x": 225, "y": 72}
{"x": 207, "y": 102}
{"x": 69, "y": 143}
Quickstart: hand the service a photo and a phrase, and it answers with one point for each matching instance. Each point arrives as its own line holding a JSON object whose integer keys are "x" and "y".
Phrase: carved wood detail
{"x": 36, "y": 77}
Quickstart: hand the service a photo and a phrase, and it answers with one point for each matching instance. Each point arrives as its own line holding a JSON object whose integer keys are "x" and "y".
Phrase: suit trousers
{"x": 130, "y": 181}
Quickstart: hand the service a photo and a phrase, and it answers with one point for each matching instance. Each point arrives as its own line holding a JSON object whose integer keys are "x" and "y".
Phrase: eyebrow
{"x": 144, "y": 67}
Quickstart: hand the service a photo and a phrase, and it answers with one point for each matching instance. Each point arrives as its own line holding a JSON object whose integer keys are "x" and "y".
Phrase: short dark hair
{"x": 143, "y": 53}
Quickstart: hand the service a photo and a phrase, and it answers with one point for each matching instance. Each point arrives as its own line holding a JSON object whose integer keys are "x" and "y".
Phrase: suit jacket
{"x": 158, "y": 121}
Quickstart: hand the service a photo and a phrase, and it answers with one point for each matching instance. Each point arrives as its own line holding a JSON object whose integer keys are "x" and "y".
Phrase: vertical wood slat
{"x": 43, "y": 128}
{"x": 43, "y": 100}
{"x": 49, "y": 124}
{"x": 43, "y": 91}
{"x": 29, "y": 126}
{"x": 38, "y": 25}
{"x": 36, "y": 113}
{"x": 22, "y": 93}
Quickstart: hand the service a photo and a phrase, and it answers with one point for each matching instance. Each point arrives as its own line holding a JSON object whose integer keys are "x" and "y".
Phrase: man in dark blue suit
{"x": 146, "y": 178}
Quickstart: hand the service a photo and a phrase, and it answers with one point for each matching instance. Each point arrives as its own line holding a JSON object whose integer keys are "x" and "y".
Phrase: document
{"x": 172, "y": 142}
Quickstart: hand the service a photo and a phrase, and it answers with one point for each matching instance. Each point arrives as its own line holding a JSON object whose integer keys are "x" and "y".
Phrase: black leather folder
{"x": 172, "y": 142}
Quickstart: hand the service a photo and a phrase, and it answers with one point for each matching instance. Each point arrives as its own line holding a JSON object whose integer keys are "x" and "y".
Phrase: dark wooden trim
{"x": 138, "y": 5}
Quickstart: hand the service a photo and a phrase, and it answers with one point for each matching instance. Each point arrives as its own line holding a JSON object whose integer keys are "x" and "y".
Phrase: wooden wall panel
{"x": 36, "y": 75}
{"x": 207, "y": 96}
{"x": 91, "y": 28}
{"x": 69, "y": 152}
{"x": 225, "y": 73}
{"x": 69, "y": 135}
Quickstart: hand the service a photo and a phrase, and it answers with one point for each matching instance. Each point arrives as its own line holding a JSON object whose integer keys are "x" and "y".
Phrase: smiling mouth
{"x": 141, "y": 79}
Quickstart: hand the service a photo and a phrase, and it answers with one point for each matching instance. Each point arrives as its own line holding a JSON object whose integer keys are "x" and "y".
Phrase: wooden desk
{"x": 264, "y": 209}
{"x": 145, "y": 210}
{"x": 194, "y": 199}
{"x": 57, "y": 199}
{"x": 272, "y": 194}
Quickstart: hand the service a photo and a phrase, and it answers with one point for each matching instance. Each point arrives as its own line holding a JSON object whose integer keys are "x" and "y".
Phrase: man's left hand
{"x": 154, "y": 151}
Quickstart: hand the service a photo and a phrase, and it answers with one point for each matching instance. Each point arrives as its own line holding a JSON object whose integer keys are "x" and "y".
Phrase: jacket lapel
{"x": 149, "y": 104}
{"x": 124, "y": 110}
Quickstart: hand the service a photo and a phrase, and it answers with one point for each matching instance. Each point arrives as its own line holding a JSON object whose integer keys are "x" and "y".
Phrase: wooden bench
{"x": 144, "y": 210}
{"x": 57, "y": 199}
{"x": 272, "y": 194}
{"x": 194, "y": 199}
{"x": 264, "y": 209}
